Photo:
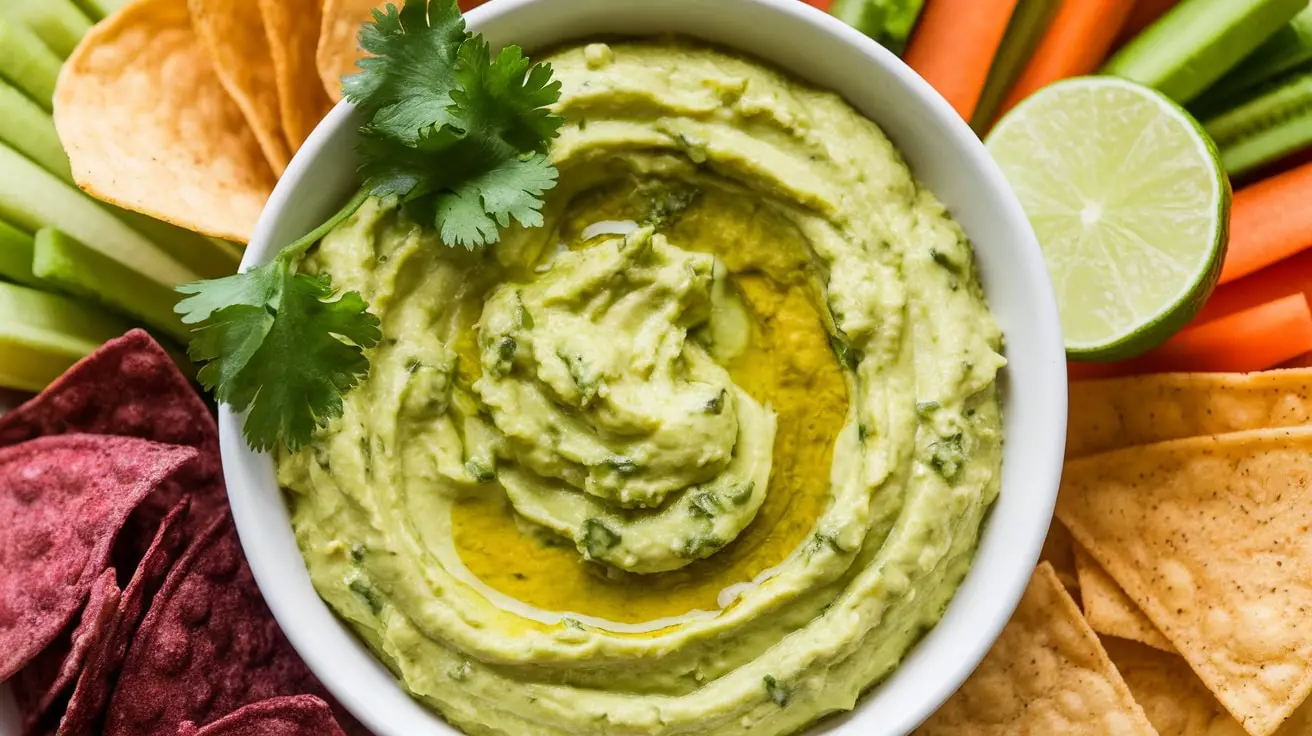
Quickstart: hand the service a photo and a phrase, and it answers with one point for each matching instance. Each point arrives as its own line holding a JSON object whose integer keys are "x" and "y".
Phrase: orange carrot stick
{"x": 1290, "y": 276}
{"x": 954, "y": 46}
{"x": 1252, "y": 340}
{"x": 1269, "y": 221}
{"x": 1076, "y": 43}
{"x": 1144, "y": 14}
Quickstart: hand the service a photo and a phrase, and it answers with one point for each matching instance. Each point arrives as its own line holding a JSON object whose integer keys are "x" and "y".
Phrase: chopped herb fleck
{"x": 778, "y": 694}
{"x": 571, "y": 623}
{"x": 367, "y": 594}
{"x": 705, "y": 504}
{"x": 597, "y": 539}
{"x": 947, "y": 455}
{"x": 461, "y": 672}
{"x": 942, "y": 259}
{"x": 480, "y": 471}
{"x": 862, "y": 432}
{"x": 742, "y": 494}
{"x": 621, "y": 465}
{"x": 848, "y": 356}
{"x": 358, "y": 551}
{"x": 925, "y": 408}
{"x": 700, "y": 545}
{"x": 716, "y": 405}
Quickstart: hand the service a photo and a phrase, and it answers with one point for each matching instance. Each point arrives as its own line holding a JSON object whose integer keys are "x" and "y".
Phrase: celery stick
{"x": 27, "y": 63}
{"x": 42, "y": 334}
{"x": 1289, "y": 49}
{"x": 1271, "y": 125}
{"x": 1028, "y": 23}
{"x": 28, "y": 129}
{"x": 99, "y": 9}
{"x": 16, "y": 251}
{"x": 889, "y": 22}
{"x": 1198, "y": 41}
{"x": 57, "y": 22}
{"x": 79, "y": 271}
{"x": 32, "y": 198}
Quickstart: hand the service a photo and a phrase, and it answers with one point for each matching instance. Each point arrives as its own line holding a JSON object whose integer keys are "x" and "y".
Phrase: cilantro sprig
{"x": 459, "y": 136}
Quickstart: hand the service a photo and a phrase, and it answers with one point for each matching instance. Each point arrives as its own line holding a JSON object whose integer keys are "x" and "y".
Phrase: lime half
{"x": 1130, "y": 204}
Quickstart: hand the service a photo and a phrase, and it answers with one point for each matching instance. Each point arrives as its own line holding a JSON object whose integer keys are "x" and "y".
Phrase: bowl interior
{"x": 943, "y": 153}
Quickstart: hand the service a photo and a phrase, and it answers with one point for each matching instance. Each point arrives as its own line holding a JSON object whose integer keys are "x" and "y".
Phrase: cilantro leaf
{"x": 284, "y": 346}
{"x": 458, "y": 134}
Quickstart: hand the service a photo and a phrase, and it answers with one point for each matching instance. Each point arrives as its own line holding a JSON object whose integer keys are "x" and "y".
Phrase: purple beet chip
{"x": 86, "y": 707}
{"x": 47, "y": 677}
{"x": 296, "y": 715}
{"x": 130, "y": 387}
{"x": 207, "y": 647}
{"x": 63, "y": 501}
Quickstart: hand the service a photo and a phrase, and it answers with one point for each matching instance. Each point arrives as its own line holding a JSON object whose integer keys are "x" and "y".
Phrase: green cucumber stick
{"x": 889, "y": 22}
{"x": 27, "y": 63}
{"x": 1198, "y": 41}
{"x": 32, "y": 198}
{"x": 1289, "y": 49}
{"x": 99, "y": 9}
{"x": 1269, "y": 126}
{"x": 16, "y": 250}
{"x": 56, "y": 22}
{"x": 42, "y": 334}
{"x": 206, "y": 256}
{"x": 1028, "y": 23}
{"x": 79, "y": 271}
{"x": 28, "y": 129}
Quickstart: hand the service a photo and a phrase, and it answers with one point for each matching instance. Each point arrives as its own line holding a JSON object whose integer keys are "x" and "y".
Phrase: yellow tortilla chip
{"x": 1120, "y": 412}
{"x": 1176, "y": 701}
{"x": 1047, "y": 674}
{"x": 1109, "y": 610}
{"x": 1058, "y": 551}
{"x": 1209, "y": 536}
{"x": 233, "y": 34}
{"x": 339, "y": 44}
{"x": 292, "y": 29}
{"x": 148, "y": 126}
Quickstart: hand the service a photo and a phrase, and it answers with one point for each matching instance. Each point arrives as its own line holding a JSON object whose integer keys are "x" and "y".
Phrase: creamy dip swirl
{"x": 706, "y": 453}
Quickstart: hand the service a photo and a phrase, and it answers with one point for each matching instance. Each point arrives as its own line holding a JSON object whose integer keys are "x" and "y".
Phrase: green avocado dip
{"x": 707, "y": 453}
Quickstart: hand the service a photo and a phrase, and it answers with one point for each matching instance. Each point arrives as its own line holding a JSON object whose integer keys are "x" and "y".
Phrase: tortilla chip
{"x": 207, "y": 646}
{"x": 149, "y": 127}
{"x": 1176, "y": 701}
{"x": 233, "y": 34}
{"x": 65, "y": 500}
{"x": 297, "y": 715}
{"x": 91, "y": 694}
{"x": 1109, "y": 610}
{"x": 1058, "y": 550}
{"x": 1047, "y": 674}
{"x": 339, "y": 45}
{"x": 38, "y": 685}
{"x": 130, "y": 387}
{"x": 1111, "y": 414}
{"x": 1209, "y": 536}
{"x": 292, "y": 30}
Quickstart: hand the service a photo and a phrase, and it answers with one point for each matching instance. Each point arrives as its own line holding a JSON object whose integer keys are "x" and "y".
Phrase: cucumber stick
{"x": 79, "y": 271}
{"x": 1198, "y": 41}
{"x": 28, "y": 129}
{"x": 99, "y": 9}
{"x": 42, "y": 334}
{"x": 889, "y": 22}
{"x": 1028, "y": 23}
{"x": 16, "y": 251}
{"x": 1289, "y": 49}
{"x": 32, "y": 198}
{"x": 27, "y": 63}
{"x": 1269, "y": 126}
{"x": 58, "y": 23}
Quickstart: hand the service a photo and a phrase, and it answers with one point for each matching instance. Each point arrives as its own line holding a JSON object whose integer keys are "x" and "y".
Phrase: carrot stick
{"x": 1252, "y": 340}
{"x": 1269, "y": 221}
{"x": 1144, "y": 14}
{"x": 1290, "y": 276}
{"x": 1076, "y": 43}
{"x": 955, "y": 44}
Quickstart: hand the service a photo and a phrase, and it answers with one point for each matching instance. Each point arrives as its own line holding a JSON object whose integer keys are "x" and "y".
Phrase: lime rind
{"x": 1130, "y": 204}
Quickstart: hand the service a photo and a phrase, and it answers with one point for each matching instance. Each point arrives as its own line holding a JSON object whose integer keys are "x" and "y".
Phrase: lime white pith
{"x": 1130, "y": 205}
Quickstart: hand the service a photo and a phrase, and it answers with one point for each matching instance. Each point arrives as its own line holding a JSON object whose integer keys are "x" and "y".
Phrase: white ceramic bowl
{"x": 943, "y": 153}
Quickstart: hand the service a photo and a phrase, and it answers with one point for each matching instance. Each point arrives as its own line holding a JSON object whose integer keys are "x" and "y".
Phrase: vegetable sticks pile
{"x": 1243, "y": 68}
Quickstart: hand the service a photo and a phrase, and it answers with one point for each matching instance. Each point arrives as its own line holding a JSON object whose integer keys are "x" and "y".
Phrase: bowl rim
{"x": 250, "y": 474}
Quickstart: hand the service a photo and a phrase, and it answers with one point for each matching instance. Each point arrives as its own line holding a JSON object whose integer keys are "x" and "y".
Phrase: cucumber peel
{"x": 16, "y": 250}
{"x": 1271, "y": 125}
{"x": 1198, "y": 41}
{"x": 1025, "y": 30}
{"x": 42, "y": 334}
